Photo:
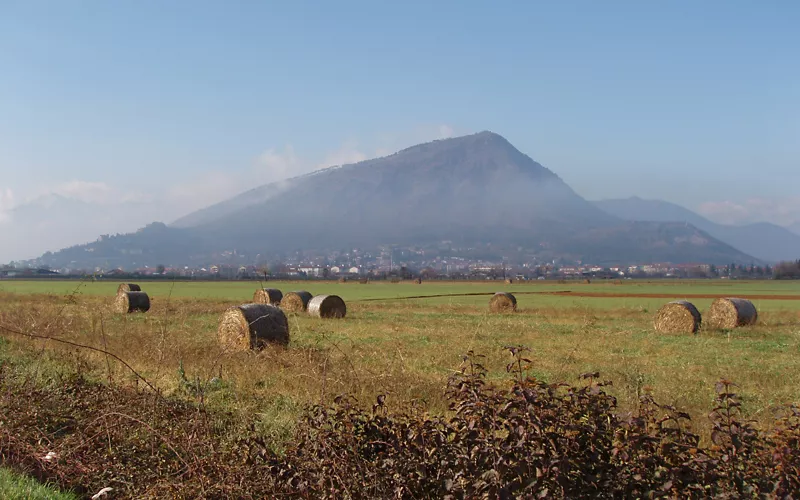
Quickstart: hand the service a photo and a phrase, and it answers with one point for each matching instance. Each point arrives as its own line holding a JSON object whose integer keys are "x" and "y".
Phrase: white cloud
{"x": 88, "y": 192}
{"x": 47, "y": 223}
{"x": 345, "y": 155}
{"x": 781, "y": 211}
{"x": 6, "y": 204}
{"x": 445, "y": 132}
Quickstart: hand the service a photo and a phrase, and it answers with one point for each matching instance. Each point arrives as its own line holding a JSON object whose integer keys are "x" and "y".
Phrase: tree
{"x": 160, "y": 269}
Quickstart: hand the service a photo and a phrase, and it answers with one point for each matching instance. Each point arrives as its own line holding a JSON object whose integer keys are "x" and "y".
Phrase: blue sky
{"x": 176, "y": 104}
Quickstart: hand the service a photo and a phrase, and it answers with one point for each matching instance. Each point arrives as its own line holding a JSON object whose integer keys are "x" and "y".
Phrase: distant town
{"x": 390, "y": 263}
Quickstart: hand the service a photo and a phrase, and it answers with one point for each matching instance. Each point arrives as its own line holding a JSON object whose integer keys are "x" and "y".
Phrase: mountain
{"x": 54, "y": 221}
{"x": 795, "y": 228}
{"x": 763, "y": 240}
{"x": 477, "y": 192}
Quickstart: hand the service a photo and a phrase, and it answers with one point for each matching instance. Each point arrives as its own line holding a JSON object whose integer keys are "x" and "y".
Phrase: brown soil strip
{"x": 608, "y": 295}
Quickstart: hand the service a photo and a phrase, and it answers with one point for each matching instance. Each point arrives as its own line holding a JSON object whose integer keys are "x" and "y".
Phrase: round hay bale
{"x": 732, "y": 313}
{"x": 342, "y": 280}
{"x": 252, "y": 326}
{"x": 617, "y": 282}
{"x": 509, "y": 281}
{"x": 327, "y": 306}
{"x": 129, "y": 302}
{"x": 363, "y": 281}
{"x": 296, "y": 302}
{"x": 395, "y": 280}
{"x": 418, "y": 281}
{"x": 271, "y": 296}
{"x": 679, "y": 316}
{"x": 502, "y": 302}
{"x": 587, "y": 282}
{"x": 128, "y": 287}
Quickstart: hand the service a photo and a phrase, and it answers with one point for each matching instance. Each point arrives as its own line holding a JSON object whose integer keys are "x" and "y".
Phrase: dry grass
{"x": 407, "y": 349}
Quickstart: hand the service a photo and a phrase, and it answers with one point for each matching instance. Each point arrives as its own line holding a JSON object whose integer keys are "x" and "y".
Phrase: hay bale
{"x": 363, "y": 281}
{"x": 617, "y": 282}
{"x": 502, "y": 302}
{"x": 679, "y": 316}
{"x": 509, "y": 281}
{"x": 252, "y": 326}
{"x": 128, "y": 287}
{"x": 327, "y": 306}
{"x": 732, "y": 313}
{"x": 342, "y": 280}
{"x": 395, "y": 280}
{"x": 129, "y": 302}
{"x": 562, "y": 282}
{"x": 418, "y": 281}
{"x": 587, "y": 282}
{"x": 296, "y": 302}
{"x": 271, "y": 296}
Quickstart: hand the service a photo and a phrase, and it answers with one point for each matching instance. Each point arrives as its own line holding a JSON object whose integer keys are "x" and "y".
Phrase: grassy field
{"x": 16, "y": 487}
{"x": 407, "y": 348}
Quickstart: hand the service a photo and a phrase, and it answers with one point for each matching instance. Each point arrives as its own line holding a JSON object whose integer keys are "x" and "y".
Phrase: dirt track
{"x": 600, "y": 295}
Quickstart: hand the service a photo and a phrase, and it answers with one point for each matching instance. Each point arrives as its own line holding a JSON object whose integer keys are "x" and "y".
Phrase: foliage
{"x": 787, "y": 270}
{"x": 532, "y": 439}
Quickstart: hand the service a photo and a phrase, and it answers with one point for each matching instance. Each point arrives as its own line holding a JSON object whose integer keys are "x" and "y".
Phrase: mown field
{"x": 406, "y": 348}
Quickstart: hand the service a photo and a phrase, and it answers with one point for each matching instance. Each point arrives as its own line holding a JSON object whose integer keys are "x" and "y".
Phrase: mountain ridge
{"x": 763, "y": 240}
{"x": 475, "y": 191}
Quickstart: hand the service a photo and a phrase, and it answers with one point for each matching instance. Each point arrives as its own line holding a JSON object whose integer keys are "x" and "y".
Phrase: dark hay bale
{"x": 252, "y": 326}
{"x": 363, "y": 281}
{"x": 129, "y": 302}
{"x": 296, "y": 302}
{"x": 268, "y": 296}
{"x": 128, "y": 287}
{"x": 732, "y": 313}
{"x": 679, "y": 316}
{"x": 502, "y": 302}
{"x": 327, "y": 306}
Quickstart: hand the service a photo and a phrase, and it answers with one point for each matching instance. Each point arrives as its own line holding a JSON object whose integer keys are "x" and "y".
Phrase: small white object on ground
{"x": 102, "y": 493}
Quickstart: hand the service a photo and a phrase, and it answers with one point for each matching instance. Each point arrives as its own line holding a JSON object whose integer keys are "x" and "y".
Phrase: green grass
{"x": 408, "y": 348}
{"x": 16, "y": 487}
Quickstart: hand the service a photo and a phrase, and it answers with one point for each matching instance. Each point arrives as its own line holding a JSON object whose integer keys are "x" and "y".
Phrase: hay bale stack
{"x": 296, "y": 302}
{"x": 327, "y": 306}
{"x": 732, "y": 313}
{"x": 502, "y": 302}
{"x": 130, "y": 302}
{"x": 679, "y": 316}
{"x": 271, "y": 296}
{"x": 128, "y": 287}
{"x": 252, "y": 326}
